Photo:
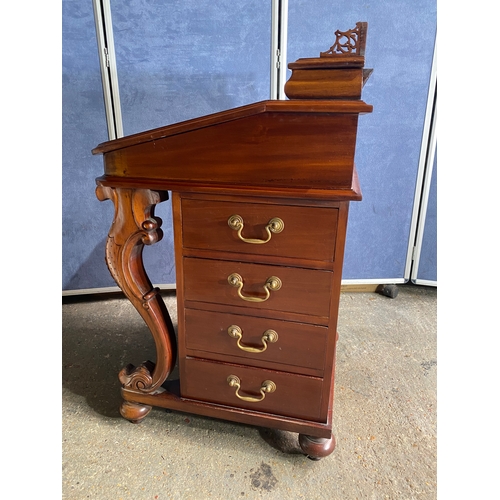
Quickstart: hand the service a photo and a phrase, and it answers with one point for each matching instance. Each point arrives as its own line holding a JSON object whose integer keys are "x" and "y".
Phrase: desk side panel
{"x": 302, "y": 150}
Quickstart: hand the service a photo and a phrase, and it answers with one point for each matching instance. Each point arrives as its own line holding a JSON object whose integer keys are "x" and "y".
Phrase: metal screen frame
{"x": 109, "y": 74}
{"x": 424, "y": 175}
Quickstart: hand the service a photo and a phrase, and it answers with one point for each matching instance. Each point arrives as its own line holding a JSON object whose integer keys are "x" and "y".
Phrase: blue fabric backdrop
{"x": 399, "y": 48}
{"x": 177, "y": 60}
{"x": 83, "y": 127}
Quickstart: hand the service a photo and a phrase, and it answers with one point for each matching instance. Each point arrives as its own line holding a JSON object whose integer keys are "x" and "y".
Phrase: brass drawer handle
{"x": 272, "y": 283}
{"x": 275, "y": 225}
{"x": 235, "y": 332}
{"x": 266, "y": 387}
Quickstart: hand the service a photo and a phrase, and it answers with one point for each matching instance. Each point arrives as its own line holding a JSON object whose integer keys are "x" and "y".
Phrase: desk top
{"x": 302, "y": 146}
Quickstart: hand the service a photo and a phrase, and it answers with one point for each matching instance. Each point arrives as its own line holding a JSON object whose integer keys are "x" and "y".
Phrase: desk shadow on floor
{"x": 99, "y": 338}
{"x": 286, "y": 442}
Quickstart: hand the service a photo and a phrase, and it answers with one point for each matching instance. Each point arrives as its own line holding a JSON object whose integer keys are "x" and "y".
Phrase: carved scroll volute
{"x": 134, "y": 225}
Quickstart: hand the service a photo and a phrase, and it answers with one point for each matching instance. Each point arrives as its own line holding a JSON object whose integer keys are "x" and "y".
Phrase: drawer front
{"x": 307, "y": 232}
{"x": 294, "y": 396}
{"x": 249, "y": 339}
{"x": 302, "y": 291}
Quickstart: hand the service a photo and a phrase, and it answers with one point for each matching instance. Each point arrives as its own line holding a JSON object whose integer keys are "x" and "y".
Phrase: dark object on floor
{"x": 388, "y": 290}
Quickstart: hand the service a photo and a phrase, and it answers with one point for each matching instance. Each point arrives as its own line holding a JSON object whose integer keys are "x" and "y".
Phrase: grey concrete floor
{"x": 384, "y": 419}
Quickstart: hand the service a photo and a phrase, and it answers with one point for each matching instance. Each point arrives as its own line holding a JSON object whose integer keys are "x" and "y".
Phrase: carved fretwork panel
{"x": 350, "y": 42}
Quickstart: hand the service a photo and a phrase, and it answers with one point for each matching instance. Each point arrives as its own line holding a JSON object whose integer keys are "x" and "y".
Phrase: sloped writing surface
{"x": 271, "y": 144}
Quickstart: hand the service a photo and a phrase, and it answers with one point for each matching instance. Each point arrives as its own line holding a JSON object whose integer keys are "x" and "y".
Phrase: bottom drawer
{"x": 296, "y": 396}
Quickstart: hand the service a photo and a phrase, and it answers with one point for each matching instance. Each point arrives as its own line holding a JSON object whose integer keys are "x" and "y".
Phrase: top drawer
{"x": 304, "y": 232}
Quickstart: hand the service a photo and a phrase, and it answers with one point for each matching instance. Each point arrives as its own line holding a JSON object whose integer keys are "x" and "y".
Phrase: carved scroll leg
{"x": 316, "y": 448}
{"x": 134, "y": 226}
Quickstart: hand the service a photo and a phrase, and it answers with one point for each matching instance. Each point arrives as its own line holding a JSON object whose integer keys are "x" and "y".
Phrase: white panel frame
{"x": 106, "y": 86}
{"x": 375, "y": 281}
{"x": 423, "y": 210}
{"x": 109, "y": 74}
{"x": 279, "y": 40}
{"x": 422, "y": 188}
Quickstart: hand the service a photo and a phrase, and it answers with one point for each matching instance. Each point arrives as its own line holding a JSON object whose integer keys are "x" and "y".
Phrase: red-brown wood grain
{"x": 278, "y": 106}
{"x": 308, "y": 233}
{"x": 303, "y": 290}
{"x": 300, "y": 347}
{"x": 290, "y": 159}
{"x": 268, "y": 149}
{"x": 296, "y": 396}
{"x": 319, "y": 84}
{"x": 171, "y": 398}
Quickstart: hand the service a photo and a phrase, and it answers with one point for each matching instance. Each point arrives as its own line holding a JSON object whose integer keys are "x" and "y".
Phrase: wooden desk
{"x": 260, "y": 198}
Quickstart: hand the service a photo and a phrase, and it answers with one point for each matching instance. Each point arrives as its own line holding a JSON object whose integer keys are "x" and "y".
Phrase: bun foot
{"x": 134, "y": 412}
{"x": 316, "y": 448}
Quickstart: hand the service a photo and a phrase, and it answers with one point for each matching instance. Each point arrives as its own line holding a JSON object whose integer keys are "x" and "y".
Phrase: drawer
{"x": 298, "y": 345}
{"x": 307, "y": 233}
{"x": 302, "y": 291}
{"x": 294, "y": 396}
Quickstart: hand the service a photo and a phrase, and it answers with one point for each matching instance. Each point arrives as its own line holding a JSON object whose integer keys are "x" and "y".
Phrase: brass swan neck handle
{"x": 275, "y": 225}
{"x": 236, "y": 332}
{"x": 266, "y": 387}
{"x": 273, "y": 283}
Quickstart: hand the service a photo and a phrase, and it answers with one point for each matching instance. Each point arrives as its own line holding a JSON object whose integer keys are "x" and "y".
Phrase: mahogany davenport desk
{"x": 260, "y": 198}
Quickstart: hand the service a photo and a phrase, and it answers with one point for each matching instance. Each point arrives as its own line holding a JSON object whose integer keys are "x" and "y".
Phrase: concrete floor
{"x": 384, "y": 420}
